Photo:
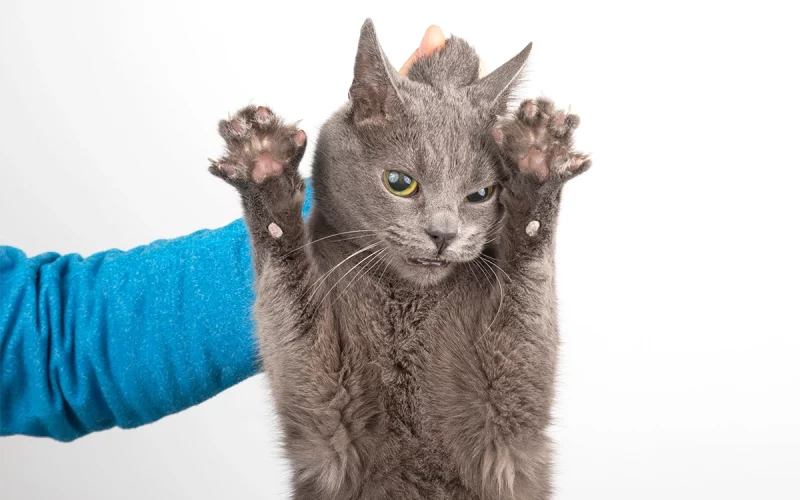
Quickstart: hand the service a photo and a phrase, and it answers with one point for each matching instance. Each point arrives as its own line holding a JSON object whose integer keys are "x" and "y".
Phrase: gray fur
{"x": 395, "y": 380}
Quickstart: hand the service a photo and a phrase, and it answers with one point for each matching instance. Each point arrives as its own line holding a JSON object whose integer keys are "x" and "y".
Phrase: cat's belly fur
{"x": 364, "y": 426}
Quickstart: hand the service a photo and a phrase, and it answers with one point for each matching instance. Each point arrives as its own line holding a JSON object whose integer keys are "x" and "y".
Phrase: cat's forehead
{"x": 450, "y": 108}
{"x": 449, "y": 134}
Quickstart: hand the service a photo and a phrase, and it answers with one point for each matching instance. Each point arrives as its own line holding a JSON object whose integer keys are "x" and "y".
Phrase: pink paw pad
{"x": 497, "y": 135}
{"x": 535, "y": 162}
{"x": 300, "y": 138}
{"x": 266, "y": 166}
{"x": 263, "y": 114}
{"x": 530, "y": 109}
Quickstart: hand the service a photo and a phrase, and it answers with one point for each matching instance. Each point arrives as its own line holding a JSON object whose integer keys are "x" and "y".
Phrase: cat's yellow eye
{"x": 480, "y": 195}
{"x": 400, "y": 184}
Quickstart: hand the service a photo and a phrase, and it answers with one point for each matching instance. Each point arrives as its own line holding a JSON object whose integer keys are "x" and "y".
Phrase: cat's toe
{"x": 563, "y": 124}
{"x": 300, "y": 138}
{"x": 284, "y": 143}
{"x": 542, "y": 116}
{"x": 228, "y": 170}
{"x": 536, "y": 112}
{"x": 234, "y": 130}
{"x": 263, "y": 115}
{"x": 579, "y": 163}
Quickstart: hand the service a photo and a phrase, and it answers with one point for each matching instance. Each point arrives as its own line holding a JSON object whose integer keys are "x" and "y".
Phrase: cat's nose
{"x": 441, "y": 238}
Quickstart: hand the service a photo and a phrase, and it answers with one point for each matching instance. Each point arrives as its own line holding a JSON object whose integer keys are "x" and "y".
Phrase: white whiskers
{"x": 322, "y": 300}
{"x": 377, "y": 258}
{"x": 484, "y": 257}
{"x": 499, "y": 307}
{"x": 371, "y": 231}
{"x": 318, "y": 284}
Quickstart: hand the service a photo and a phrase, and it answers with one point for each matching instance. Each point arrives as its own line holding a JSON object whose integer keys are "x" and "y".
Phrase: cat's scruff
{"x": 408, "y": 330}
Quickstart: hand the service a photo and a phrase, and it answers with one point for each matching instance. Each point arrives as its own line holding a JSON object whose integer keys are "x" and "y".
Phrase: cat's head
{"x": 412, "y": 159}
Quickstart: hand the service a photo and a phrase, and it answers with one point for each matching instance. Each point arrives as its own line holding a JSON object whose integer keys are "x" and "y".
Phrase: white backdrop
{"x": 677, "y": 252}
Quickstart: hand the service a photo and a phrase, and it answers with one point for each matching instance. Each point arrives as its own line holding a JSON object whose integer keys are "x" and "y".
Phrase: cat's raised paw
{"x": 259, "y": 146}
{"x": 539, "y": 140}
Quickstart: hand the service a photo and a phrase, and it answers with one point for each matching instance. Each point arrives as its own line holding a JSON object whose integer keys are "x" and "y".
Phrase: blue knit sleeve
{"x": 123, "y": 338}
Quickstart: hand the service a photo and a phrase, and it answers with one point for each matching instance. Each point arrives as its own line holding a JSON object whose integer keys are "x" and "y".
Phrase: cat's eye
{"x": 480, "y": 195}
{"x": 400, "y": 184}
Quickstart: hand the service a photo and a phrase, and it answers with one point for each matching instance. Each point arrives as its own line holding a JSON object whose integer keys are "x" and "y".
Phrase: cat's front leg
{"x": 261, "y": 162}
{"x": 322, "y": 408}
{"x": 537, "y": 145}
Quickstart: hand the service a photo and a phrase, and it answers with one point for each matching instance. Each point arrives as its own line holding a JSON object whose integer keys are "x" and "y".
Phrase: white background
{"x": 677, "y": 252}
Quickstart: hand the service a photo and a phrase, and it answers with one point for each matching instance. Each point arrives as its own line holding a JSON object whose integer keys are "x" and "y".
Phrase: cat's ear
{"x": 373, "y": 94}
{"x": 496, "y": 87}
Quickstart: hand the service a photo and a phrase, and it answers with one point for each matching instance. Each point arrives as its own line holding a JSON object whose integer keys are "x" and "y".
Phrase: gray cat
{"x": 408, "y": 330}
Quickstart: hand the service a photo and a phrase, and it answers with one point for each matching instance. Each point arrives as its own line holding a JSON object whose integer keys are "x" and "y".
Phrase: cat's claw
{"x": 259, "y": 146}
{"x": 539, "y": 139}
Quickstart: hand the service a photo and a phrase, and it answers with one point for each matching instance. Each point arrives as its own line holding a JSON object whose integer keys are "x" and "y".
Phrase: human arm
{"x": 123, "y": 338}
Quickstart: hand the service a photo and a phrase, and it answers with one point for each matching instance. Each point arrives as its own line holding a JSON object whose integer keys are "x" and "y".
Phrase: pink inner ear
{"x": 535, "y": 162}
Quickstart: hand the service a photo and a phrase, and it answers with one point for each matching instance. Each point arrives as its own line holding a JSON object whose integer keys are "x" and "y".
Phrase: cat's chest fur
{"x": 396, "y": 324}
{"x": 388, "y": 345}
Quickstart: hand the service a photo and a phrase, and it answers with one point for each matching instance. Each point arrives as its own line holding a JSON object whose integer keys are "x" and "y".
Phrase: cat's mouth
{"x": 418, "y": 261}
